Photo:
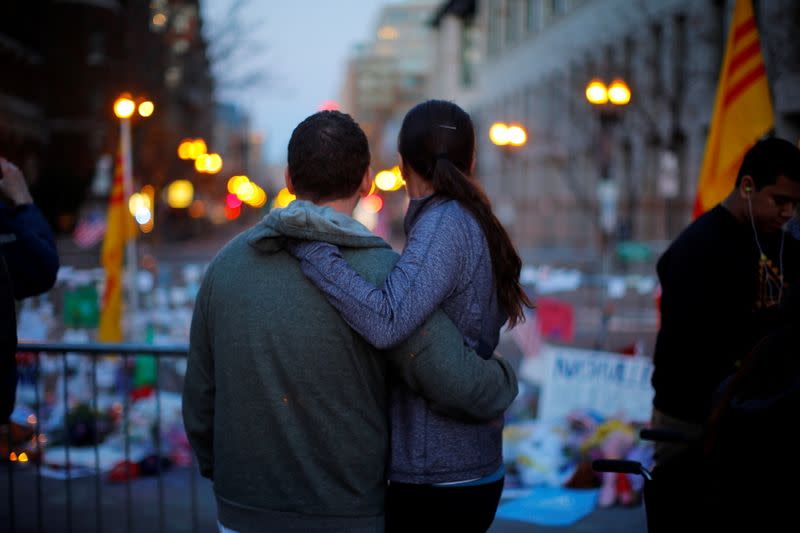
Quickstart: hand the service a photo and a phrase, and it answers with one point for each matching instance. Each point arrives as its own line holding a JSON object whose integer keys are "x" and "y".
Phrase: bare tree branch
{"x": 234, "y": 49}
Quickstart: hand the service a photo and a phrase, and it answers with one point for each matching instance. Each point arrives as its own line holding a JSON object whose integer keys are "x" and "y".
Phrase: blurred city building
{"x": 23, "y": 129}
{"x": 529, "y": 62}
{"x": 236, "y": 140}
{"x": 66, "y": 63}
{"x": 459, "y": 50}
{"x": 241, "y": 148}
{"x": 388, "y": 75}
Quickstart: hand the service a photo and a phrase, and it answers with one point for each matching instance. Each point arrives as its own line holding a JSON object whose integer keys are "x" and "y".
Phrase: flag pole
{"x": 130, "y": 253}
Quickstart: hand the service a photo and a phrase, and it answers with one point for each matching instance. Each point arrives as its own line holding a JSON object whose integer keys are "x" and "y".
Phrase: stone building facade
{"x": 532, "y": 60}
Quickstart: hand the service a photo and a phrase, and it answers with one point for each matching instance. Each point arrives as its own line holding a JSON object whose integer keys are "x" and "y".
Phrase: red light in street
{"x": 372, "y": 203}
{"x": 232, "y": 201}
{"x": 232, "y": 213}
{"x": 329, "y": 105}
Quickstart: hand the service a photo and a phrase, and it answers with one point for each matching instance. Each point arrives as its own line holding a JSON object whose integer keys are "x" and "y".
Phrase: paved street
{"x": 177, "y": 507}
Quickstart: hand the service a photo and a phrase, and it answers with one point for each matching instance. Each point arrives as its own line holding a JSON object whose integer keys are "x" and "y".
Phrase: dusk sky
{"x": 305, "y": 47}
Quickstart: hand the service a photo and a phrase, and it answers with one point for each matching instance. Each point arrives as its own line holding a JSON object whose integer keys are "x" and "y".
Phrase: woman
{"x": 457, "y": 257}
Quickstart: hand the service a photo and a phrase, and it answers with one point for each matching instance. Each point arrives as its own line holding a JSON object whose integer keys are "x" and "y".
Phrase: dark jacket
{"x": 711, "y": 308}
{"x": 28, "y": 266}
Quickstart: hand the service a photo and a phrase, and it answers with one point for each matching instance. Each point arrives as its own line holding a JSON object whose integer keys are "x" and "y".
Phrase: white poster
{"x": 611, "y": 384}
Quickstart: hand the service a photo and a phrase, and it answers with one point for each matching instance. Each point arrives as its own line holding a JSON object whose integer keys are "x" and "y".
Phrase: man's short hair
{"x": 769, "y": 159}
{"x": 328, "y": 155}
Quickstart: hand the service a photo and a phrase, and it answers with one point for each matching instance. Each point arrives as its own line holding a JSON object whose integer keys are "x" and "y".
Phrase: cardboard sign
{"x": 613, "y": 385}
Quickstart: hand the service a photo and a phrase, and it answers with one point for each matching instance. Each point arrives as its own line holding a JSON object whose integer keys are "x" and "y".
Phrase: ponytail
{"x": 437, "y": 140}
{"x": 449, "y": 181}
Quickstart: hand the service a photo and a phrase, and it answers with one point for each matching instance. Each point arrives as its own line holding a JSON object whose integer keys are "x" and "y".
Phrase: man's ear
{"x": 746, "y": 187}
{"x": 288, "y": 179}
{"x": 366, "y": 183}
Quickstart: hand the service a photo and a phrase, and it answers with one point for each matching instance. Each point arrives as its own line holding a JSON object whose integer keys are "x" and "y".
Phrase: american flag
{"x": 90, "y": 230}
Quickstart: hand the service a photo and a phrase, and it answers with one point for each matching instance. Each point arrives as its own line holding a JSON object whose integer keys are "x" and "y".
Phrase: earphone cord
{"x": 780, "y": 263}
{"x": 761, "y": 251}
{"x": 753, "y": 225}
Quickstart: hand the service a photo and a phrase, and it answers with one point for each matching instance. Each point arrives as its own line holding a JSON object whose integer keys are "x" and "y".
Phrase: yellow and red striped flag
{"x": 119, "y": 228}
{"x": 742, "y": 110}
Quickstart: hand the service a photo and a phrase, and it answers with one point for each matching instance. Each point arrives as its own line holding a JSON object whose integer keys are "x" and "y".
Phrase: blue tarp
{"x": 550, "y": 506}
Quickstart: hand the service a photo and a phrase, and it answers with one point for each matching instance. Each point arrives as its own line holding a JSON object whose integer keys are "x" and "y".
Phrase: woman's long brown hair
{"x": 437, "y": 140}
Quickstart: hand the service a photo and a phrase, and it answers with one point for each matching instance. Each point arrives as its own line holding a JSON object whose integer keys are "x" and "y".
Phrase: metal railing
{"x": 18, "y": 500}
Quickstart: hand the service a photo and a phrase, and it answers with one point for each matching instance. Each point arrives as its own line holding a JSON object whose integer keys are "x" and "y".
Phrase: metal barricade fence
{"x": 21, "y": 481}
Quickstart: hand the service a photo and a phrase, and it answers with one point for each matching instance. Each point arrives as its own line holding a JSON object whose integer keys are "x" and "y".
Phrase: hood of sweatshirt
{"x": 305, "y": 220}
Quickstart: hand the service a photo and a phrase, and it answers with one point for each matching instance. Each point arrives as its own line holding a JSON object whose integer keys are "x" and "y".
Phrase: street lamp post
{"x": 608, "y": 101}
{"x": 507, "y": 137}
{"x": 124, "y": 108}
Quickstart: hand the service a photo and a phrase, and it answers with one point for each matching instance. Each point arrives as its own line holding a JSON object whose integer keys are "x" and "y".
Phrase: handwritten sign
{"x": 608, "y": 383}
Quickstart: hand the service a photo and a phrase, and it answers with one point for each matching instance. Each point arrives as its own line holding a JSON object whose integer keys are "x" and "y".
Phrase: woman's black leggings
{"x": 412, "y": 508}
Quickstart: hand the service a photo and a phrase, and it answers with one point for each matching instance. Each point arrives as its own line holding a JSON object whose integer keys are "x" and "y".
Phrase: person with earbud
{"x": 722, "y": 281}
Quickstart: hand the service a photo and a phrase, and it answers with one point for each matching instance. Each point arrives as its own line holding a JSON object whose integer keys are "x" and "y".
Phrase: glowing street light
{"x": 192, "y": 149}
{"x": 389, "y": 180}
{"x": 200, "y": 162}
{"x": 259, "y": 199}
{"x": 185, "y": 149}
{"x": 180, "y": 194}
{"x": 246, "y": 191}
{"x": 284, "y": 198}
{"x": 597, "y": 92}
{"x": 213, "y": 163}
{"x": 619, "y": 93}
{"x": 502, "y": 134}
{"x": 208, "y": 163}
{"x": 517, "y": 136}
{"x": 198, "y": 148}
{"x": 498, "y": 134}
{"x": 146, "y": 108}
{"x": 124, "y": 107}
{"x": 143, "y": 216}
{"x": 138, "y": 202}
{"x": 235, "y": 182}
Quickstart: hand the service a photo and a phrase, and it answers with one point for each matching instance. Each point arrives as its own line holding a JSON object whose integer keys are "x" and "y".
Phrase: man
{"x": 28, "y": 266}
{"x": 722, "y": 280}
{"x": 284, "y": 404}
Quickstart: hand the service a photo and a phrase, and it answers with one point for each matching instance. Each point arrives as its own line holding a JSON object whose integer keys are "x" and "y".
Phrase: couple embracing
{"x": 333, "y": 385}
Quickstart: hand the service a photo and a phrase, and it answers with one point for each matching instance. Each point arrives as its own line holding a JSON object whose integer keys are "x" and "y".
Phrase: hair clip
{"x": 447, "y": 127}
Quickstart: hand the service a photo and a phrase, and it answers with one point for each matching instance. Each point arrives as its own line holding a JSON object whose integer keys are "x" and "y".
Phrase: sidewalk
{"x": 177, "y": 507}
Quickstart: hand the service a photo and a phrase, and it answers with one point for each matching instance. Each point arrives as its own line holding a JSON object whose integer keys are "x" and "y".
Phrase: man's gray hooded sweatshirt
{"x": 286, "y": 406}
